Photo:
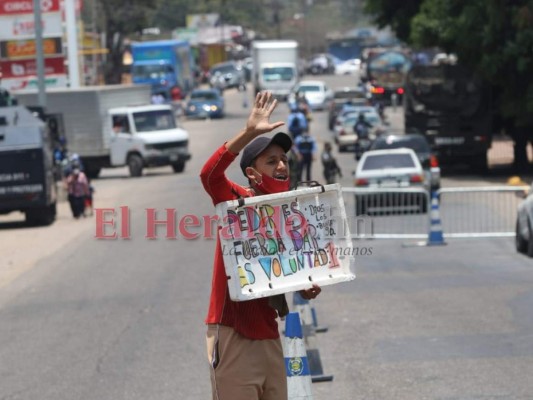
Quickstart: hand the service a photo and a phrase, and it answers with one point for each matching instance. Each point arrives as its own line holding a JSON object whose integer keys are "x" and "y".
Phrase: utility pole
{"x": 40, "y": 54}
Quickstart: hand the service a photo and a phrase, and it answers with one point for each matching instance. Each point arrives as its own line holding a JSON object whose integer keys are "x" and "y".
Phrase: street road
{"x": 82, "y": 318}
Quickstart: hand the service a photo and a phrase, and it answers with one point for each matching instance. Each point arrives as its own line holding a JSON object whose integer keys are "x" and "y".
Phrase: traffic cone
{"x": 313, "y": 355}
{"x": 296, "y": 365}
{"x": 435, "y": 237}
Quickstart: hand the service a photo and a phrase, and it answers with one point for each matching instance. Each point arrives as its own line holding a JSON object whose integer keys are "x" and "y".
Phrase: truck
{"x": 27, "y": 179}
{"x": 115, "y": 126}
{"x": 164, "y": 65}
{"x": 386, "y": 71}
{"x": 275, "y": 66}
{"x": 452, "y": 108}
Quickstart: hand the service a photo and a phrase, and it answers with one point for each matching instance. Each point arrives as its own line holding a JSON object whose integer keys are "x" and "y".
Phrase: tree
{"x": 121, "y": 19}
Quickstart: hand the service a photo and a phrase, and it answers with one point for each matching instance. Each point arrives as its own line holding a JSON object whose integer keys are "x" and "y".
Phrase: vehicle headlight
{"x": 206, "y": 107}
{"x": 214, "y": 108}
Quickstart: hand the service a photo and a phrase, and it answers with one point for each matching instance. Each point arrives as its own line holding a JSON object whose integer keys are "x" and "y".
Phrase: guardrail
{"x": 387, "y": 213}
{"x": 479, "y": 211}
{"x": 403, "y": 213}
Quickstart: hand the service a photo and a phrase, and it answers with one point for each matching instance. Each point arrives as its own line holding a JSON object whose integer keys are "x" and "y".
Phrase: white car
{"x": 348, "y": 67}
{"x": 385, "y": 171}
{"x": 345, "y": 136}
{"x": 317, "y": 93}
{"x": 524, "y": 224}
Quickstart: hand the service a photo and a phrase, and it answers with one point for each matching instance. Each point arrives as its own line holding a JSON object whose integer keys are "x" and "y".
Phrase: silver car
{"x": 227, "y": 75}
{"x": 524, "y": 224}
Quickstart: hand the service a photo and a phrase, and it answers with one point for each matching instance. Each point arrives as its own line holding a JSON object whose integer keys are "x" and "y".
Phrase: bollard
{"x": 296, "y": 364}
{"x": 313, "y": 354}
{"x": 436, "y": 236}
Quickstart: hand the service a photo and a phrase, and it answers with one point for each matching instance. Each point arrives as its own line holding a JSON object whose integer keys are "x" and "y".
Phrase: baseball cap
{"x": 258, "y": 145}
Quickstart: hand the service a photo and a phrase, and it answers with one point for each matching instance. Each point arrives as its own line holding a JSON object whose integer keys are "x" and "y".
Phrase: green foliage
{"x": 492, "y": 37}
{"x": 122, "y": 19}
{"x": 396, "y": 14}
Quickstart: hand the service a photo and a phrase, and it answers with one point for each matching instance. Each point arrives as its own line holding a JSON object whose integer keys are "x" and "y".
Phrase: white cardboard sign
{"x": 285, "y": 242}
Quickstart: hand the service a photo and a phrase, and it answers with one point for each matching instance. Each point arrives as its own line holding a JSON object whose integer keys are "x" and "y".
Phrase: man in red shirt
{"x": 243, "y": 344}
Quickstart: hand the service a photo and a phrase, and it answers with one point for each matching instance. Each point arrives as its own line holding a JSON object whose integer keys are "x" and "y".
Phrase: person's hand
{"x": 258, "y": 121}
{"x": 309, "y": 294}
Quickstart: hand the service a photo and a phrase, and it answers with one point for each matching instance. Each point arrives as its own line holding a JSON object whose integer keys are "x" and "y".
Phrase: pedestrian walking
{"x": 329, "y": 163}
{"x": 297, "y": 122}
{"x": 78, "y": 191}
{"x": 306, "y": 145}
{"x": 243, "y": 344}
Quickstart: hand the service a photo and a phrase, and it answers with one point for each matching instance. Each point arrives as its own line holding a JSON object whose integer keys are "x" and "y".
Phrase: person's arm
{"x": 213, "y": 177}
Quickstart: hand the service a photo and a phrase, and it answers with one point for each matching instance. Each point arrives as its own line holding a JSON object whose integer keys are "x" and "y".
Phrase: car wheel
{"x": 178, "y": 166}
{"x": 520, "y": 243}
{"x": 135, "y": 165}
{"x": 530, "y": 241}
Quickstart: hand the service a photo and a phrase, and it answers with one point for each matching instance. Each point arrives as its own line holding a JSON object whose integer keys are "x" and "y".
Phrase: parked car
{"x": 205, "y": 103}
{"x": 419, "y": 144}
{"x": 390, "y": 170}
{"x": 317, "y": 93}
{"x": 342, "y": 96}
{"x": 344, "y": 132}
{"x": 348, "y": 67}
{"x": 524, "y": 224}
{"x": 227, "y": 75}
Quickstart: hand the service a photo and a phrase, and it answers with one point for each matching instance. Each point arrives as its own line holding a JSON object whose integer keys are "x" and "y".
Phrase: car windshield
{"x": 272, "y": 74}
{"x": 382, "y": 161}
{"x": 418, "y": 145}
{"x": 156, "y": 120}
{"x": 371, "y": 118}
{"x": 223, "y": 69}
{"x": 152, "y": 71}
{"x": 203, "y": 96}
{"x": 314, "y": 88}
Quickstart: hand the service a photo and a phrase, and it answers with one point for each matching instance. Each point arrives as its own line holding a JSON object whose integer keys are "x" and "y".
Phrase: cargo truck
{"x": 164, "y": 65}
{"x": 275, "y": 66}
{"x": 453, "y": 109}
{"x": 27, "y": 181}
{"x": 386, "y": 71}
{"x": 115, "y": 126}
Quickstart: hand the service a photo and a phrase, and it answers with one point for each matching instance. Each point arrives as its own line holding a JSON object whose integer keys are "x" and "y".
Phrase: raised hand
{"x": 259, "y": 119}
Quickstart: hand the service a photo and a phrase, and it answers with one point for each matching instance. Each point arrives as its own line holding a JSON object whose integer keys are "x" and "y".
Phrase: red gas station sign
{"x": 12, "y": 7}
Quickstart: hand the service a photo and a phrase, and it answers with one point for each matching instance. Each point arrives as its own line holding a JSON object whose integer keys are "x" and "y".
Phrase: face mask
{"x": 271, "y": 185}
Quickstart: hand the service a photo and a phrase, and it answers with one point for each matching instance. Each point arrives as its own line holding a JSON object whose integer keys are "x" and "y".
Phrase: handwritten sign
{"x": 285, "y": 242}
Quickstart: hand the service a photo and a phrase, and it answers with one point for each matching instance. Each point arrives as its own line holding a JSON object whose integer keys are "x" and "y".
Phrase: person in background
{"x": 296, "y": 122}
{"x": 306, "y": 145}
{"x": 243, "y": 344}
{"x": 78, "y": 190}
{"x": 329, "y": 163}
{"x": 158, "y": 98}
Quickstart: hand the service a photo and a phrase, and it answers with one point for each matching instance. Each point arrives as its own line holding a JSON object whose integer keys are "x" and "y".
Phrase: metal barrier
{"x": 479, "y": 211}
{"x": 384, "y": 213}
{"x": 403, "y": 213}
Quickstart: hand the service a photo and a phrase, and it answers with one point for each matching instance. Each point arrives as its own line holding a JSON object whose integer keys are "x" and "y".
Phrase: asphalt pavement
{"x": 82, "y": 318}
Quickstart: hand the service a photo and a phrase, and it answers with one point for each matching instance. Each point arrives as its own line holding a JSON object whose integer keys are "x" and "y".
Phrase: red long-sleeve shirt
{"x": 254, "y": 319}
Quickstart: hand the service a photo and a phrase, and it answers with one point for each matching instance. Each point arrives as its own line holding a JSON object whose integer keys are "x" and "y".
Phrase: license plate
{"x": 450, "y": 140}
{"x": 173, "y": 157}
{"x": 389, "y": 183}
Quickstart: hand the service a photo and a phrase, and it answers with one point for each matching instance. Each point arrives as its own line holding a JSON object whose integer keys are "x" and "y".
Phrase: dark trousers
{"x": 77, "y": 205}
{"x": 305, "y": 163}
